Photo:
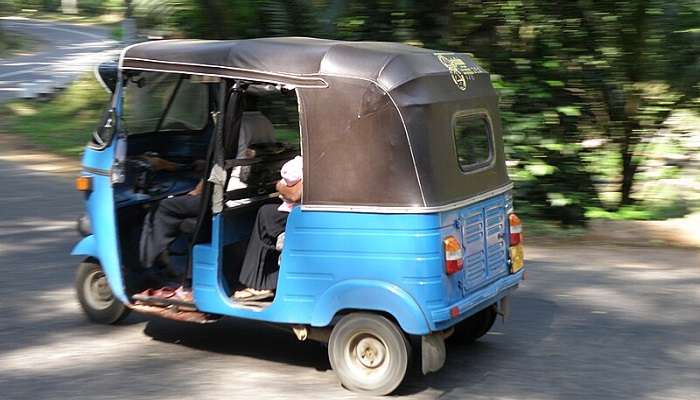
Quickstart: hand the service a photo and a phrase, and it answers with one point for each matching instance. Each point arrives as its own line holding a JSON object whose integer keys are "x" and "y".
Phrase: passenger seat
{"x": 256, "y": 128}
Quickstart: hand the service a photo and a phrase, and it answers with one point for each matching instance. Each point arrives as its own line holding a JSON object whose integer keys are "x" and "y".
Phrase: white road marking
{"x": 25, "y": 71}
{"x": 62, "y": 62}
{"x": 40, "y": 24}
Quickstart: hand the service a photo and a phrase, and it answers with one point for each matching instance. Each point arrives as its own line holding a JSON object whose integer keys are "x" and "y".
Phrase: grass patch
{"x": 650, "y": 211}
{"x": 104, "y": 19}
{"x": 12, "y": 44}
{"x": 538, "y": 228}
{"x": 63, "y": 124}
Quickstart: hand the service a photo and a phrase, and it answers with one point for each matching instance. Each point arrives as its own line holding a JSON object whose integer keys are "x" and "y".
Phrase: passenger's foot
{"x": 184, "y": 295}
{"x": 251, "y": 294}
{"x": 180, "y": 295}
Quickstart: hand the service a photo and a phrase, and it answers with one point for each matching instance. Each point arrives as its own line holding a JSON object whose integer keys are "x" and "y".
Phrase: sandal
{"x": 251, "y": 294}
{"x": 166, "y": 295}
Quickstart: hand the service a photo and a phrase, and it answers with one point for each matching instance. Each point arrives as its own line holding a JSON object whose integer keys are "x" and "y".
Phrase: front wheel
{"x": 95, "y": 296}
{"x": 369, "y": 353}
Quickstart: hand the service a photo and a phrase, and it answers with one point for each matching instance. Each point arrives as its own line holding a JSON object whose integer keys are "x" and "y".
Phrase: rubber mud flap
{"x": 433, "y": 353}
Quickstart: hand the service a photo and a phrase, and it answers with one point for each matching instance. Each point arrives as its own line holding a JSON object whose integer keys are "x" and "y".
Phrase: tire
{"x": 95, "y": 296}
{"x": 474, "y": 327}
{"x": 369, "y": 353}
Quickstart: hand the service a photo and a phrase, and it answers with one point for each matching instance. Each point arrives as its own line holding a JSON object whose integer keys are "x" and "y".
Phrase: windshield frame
{"x": 165, "y": 112}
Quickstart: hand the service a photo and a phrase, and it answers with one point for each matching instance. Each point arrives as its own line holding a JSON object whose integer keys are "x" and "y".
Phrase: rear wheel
{"x": 95, "y": 296}
{"x": 475, "y": 326}
{"x": 369, "y": 353}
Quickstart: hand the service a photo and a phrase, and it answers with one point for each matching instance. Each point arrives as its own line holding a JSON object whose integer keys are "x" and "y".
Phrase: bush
{"x": 92, "y": 7}
{"x": 14, "y": 6}
{"x": 50, "y": 5}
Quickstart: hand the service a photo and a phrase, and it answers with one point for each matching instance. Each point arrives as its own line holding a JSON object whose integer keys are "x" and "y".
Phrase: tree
{"x": 648, "y": 62}
{"x": 583, "y": 84}
{"x": 575, "y": 71}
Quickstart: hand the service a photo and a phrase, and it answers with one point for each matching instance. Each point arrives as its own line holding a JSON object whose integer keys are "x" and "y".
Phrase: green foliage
{"x": 652, "y": 211}
{"x": 117, "y": 32}
{"x": 63, "y": 124}
{"x": 91, "y": 7}
{"x": 14, "y": 6}
{"x": 12, "y": 43}
{"x": 586, "y": 87}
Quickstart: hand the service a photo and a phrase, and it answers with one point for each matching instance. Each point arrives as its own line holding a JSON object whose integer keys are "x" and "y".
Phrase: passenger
{"x": 260, "y": 266}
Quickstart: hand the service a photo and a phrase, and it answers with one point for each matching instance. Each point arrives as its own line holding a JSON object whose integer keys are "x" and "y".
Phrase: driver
{"x": 162, "y": 224}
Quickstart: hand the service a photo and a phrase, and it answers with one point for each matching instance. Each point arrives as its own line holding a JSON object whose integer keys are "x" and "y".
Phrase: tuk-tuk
{"x": 405, "y": 234}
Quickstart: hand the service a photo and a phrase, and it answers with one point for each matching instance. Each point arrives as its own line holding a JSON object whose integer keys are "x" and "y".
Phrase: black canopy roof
{"x": 293, "y": 58}
{"x": 377, "y": 118}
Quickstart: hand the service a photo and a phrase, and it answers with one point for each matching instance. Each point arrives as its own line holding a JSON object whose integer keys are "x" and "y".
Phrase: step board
{"x": 174, "y": 312}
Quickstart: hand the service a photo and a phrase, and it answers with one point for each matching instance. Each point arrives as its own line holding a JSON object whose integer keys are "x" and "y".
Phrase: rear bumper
{"x": 440, "y": 319}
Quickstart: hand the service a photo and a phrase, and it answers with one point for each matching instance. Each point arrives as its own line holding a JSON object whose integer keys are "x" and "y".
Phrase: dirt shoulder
{"x": 18, "y": 150}
{"x": 676, "y": 232}
{"x": 14, "y": 44}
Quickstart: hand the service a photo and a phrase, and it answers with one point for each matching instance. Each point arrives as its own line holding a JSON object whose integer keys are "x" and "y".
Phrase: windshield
{"x": 155, "y": 101}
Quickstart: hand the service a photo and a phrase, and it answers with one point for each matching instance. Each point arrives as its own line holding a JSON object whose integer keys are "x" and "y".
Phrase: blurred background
{"x": 600, "y": 99}
{"x": 600, "y": 102}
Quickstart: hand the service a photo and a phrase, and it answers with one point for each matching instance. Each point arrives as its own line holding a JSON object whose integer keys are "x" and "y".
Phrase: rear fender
{"x": 374, "y": 296}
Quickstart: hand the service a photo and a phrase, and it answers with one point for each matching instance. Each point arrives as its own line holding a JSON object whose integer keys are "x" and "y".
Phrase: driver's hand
{"x": 160, "y": 164}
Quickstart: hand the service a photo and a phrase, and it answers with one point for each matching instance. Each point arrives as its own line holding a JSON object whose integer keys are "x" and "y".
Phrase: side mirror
{"x": 106, "y": 73}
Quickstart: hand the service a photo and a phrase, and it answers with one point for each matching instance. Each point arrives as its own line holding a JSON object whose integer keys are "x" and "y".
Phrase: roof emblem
{"x": 459, "y": 70}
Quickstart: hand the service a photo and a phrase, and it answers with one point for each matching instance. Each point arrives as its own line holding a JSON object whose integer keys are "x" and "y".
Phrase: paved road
{"x": 66, "y": 51}
{"x": 590, "y": 323}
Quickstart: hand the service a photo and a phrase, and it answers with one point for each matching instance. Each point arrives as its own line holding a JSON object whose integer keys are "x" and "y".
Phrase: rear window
{"x": 472, "y": 135}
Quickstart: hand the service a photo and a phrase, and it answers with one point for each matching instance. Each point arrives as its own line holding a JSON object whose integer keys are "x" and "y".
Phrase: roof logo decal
{"x": 459, "y": 70}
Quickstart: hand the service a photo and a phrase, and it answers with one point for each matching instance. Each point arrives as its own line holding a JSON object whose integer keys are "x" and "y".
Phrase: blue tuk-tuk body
{"x": 348, "y": 259}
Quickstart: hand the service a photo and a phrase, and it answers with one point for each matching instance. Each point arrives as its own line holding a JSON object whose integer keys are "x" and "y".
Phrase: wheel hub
{"x": 370, "y": 352}
{"x": 97, "y": 292}
{"x": 102, "y": 289}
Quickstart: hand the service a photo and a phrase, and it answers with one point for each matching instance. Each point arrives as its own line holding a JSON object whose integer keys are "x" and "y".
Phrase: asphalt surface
{"x": 65, "y": 52}
{"x": 590, "y": 323}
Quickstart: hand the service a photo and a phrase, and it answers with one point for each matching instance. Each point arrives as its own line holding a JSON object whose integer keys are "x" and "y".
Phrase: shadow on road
{"x": 243, "y": 338}
{"x": 235, "y": 337}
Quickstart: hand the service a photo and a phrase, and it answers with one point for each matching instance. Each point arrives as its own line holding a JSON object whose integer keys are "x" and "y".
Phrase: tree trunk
{"x": 633, "y": 43}
{"x": 129, "y": 29}
{"x": 128, "y": 9}
{"x": 629, "y": 168}
{"x": 629, "y": 164}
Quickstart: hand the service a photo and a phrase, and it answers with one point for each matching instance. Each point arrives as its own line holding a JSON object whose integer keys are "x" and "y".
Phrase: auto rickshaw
{"x": 405, "y": 234}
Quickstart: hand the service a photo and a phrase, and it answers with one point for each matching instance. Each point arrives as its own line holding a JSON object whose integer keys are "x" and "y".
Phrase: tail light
{"x": 453, "y": 255}
{"x": 516, "y": 229}
{"x": 517, "y": 256}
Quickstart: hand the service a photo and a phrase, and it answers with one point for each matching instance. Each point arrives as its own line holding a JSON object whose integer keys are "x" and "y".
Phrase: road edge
{"x": 18, "y": 150}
